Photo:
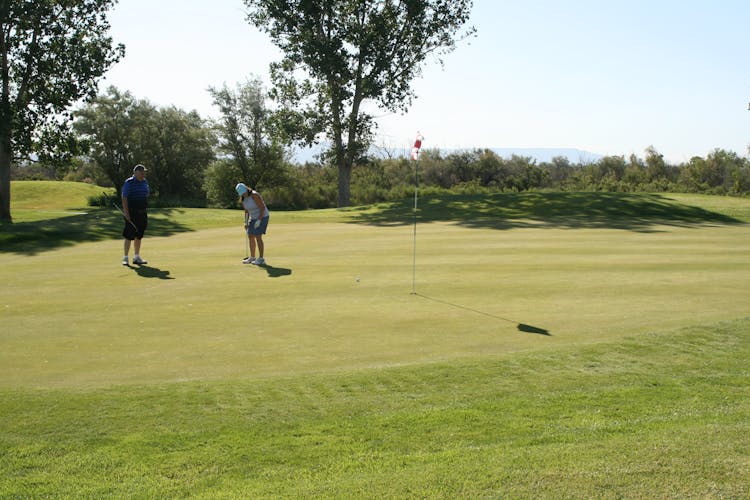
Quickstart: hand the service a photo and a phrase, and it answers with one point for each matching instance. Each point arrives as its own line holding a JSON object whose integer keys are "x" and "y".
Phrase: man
{"x": 256, "y": 221}
{"x": 135, "y": 193}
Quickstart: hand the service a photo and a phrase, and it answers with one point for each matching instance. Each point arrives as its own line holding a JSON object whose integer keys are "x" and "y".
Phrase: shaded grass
{"x": 97, "y": 224}
{"x": 565, "y": 210}
{"x": 52, "y": 215}
{"x": 49, "y": 215}
{"x": 660, "y": 415}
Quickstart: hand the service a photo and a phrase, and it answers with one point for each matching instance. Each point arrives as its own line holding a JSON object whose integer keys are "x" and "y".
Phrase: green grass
{"x": 34, "y": 201}
{"x": 652, "y": 416}
{"x": 560, "y": 345}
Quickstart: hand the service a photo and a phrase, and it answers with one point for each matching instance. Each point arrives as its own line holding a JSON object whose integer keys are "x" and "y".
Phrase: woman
{"x": 256, "y": 221}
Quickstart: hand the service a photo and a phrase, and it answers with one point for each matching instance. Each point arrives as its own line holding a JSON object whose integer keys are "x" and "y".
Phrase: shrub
{"x": 220, "y": 179}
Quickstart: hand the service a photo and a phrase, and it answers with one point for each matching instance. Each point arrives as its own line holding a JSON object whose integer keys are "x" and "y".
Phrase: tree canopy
{"x": 341, "y": 53}
{"x": 120, "y": 131}
{"x": 52, "y": 53}
{"x": 246, "y": 133}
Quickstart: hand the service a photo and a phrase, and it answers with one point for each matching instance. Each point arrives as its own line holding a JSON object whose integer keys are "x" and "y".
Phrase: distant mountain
{"x": 302, "y": 155}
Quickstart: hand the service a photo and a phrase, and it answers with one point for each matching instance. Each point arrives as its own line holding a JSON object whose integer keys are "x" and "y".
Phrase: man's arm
{"x": 125, "y": 208}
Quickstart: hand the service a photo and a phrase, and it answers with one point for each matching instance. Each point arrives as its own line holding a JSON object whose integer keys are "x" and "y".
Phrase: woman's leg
{"x": 261, "y": 246}
{"x": 252, "y": 246}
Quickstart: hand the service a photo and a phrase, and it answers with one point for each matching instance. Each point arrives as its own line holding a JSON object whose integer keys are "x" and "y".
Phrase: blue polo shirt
{"x": 136, "y": 192}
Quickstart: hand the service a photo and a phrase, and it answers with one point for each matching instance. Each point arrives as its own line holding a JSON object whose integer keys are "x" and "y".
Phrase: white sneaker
{"x": 139, "y": 261}
{"x": 124, "y": 261}
{"x": 260, "y": 261}
{"x": 248, "y": 260}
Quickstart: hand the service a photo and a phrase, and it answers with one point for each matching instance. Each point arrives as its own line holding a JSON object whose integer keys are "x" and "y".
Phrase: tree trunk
{"x": 345, "y": 176}
{"x": 6, "y": 157}
{"x": 6, "y": 153}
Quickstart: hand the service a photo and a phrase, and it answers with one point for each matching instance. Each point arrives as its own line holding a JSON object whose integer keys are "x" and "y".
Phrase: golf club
{"x": 247, "y": 244}
{"x": 126, "y": 217}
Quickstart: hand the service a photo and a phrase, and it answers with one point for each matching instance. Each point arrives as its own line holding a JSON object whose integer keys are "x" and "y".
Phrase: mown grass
{"x": 555, "y": 348}
{"x": 661, "y": 415}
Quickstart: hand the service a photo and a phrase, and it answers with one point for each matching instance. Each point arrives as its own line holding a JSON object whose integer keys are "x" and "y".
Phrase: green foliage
{"x": 721, "y": 172}
{"x": 29, "y": 171}
{"x": 339, "y": 54}
{"x": 103, "y": 199}
{"x": 219, "y": 181}
{"x": 247, "y": 134}
{"x": 309, "y": 186}
{"x": 118, "y": 131}
{"x": 176, "y": 146}
{"x": 85, "y": 170}
{"x": 183, "y": 149}
{"x": 484, "y": 172}
{"x": 52, "y": 55}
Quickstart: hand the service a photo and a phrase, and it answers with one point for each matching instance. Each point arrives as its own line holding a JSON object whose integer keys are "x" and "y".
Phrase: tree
{"x": 118, "y": 130}
{"x": 340, "y": 53}
{"x": 184, "y": 149}
{"x": 246, "y": 134}
{"x": 52, "y": 52}
{"x": 121, "y": 131}
{"x": 656, "y": 167}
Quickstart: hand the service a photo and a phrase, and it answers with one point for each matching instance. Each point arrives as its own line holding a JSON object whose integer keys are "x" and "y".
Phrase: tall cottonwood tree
{"x": 339, "y": 54}
{"x": 52, "y": 52}
{"x": 246, "y": 134}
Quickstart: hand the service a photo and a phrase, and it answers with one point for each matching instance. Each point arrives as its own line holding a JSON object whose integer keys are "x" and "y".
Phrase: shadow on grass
{"x": 146, "y": 271}
{"x": 521, "y": 327}
{"x": 32, "y": 238}
{"x": 628, "y": 211}
{"x": 275, "y": 272}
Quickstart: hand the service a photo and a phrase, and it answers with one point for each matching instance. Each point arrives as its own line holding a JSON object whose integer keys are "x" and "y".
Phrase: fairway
{"x": 500, "y": 283}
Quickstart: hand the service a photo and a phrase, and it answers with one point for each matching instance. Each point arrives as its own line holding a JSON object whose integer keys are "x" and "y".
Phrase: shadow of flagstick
{"x": 519, "y": 326}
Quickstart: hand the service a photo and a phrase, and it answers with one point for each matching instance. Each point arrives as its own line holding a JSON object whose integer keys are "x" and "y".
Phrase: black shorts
{"x": 140, "y": 219}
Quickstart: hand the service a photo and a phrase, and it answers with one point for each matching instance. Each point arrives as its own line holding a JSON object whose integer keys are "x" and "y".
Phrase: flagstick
{"x": 414, "y": 260}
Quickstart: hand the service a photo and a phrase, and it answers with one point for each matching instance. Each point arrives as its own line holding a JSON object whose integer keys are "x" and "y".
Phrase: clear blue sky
{"x": 609, "y": 77}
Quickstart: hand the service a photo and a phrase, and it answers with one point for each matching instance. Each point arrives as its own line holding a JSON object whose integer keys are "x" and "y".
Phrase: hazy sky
{"x": 609, "y": 77}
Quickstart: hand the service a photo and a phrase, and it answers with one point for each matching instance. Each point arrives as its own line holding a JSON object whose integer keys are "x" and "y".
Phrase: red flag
{"x": 417, "y": 146}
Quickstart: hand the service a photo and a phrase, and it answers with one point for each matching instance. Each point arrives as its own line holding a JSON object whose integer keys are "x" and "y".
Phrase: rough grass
{"x": 591, "y": 355}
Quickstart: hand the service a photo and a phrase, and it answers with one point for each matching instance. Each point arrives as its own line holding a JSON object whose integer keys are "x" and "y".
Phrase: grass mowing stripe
{"x": 654, "y": 415}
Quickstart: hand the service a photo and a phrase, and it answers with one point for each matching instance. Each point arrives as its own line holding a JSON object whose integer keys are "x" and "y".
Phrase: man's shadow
{"x": 145, "y": 271}
{"x": 275, "y": 272}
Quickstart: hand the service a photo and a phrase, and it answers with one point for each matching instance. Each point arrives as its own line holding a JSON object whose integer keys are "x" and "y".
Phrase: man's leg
{"x": 137, "y": 259}
{"x": 126, "y": 251}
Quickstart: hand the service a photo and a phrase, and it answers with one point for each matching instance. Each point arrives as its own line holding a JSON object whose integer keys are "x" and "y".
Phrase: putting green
{"x": 74, "y": 317}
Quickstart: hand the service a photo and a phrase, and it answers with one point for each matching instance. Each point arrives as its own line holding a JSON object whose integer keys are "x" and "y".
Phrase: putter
{"x": 247, "y": 245}
{"x": 126, "y": 217}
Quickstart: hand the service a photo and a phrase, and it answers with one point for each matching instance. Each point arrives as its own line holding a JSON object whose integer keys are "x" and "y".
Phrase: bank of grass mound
{"x": 53, "y": 195}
